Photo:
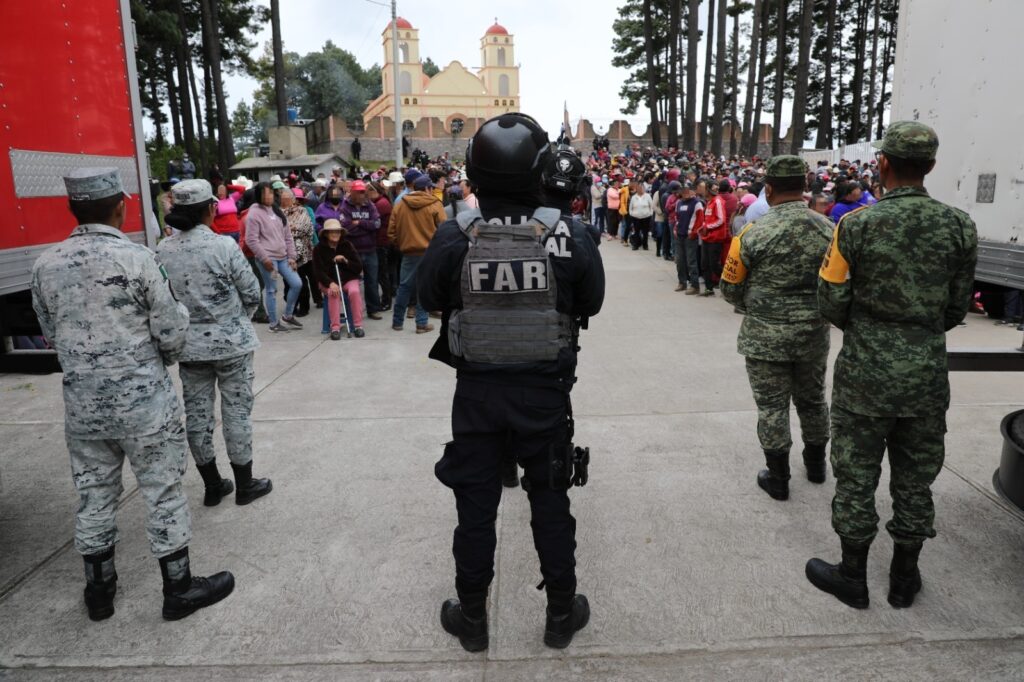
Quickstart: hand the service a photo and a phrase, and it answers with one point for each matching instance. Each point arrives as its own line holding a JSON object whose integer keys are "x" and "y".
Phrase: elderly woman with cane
{"x": 337, "y": 267}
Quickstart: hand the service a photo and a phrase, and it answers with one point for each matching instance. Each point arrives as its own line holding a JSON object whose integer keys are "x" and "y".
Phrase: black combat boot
{"x": 216, "y": 487}
{"x": 814, "y": 462}
{"x": 846, "y": 581}
{"x": 466, "y": 618}
{"x": 567, "y": 614}
{"x": 185, "y": 594}
{"x": 509, "y": 472}
{"x": 775, "y": 479}
{"x": 100, "y": 584}
{"x": 904, "y": 576}
{"x": 248, "y": 488}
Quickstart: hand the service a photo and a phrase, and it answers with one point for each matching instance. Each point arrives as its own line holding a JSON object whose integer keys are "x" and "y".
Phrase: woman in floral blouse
{"x": 302, "y": 233}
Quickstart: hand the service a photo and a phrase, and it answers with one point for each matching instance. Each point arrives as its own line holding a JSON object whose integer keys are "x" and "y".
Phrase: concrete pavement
{"x": 693, "y": 573}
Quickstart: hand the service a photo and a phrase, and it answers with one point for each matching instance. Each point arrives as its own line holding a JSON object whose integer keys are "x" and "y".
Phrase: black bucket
{"x": 1009, "y": 477}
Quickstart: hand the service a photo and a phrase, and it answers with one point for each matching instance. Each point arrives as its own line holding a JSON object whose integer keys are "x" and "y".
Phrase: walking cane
{"x": 344, "y": 304}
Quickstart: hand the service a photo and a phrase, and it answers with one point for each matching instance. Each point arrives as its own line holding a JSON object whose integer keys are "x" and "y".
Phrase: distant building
{"x": 456, "y": 95}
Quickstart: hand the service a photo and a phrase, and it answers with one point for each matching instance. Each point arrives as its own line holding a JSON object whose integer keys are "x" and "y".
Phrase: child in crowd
{"x": 335, "y": 256}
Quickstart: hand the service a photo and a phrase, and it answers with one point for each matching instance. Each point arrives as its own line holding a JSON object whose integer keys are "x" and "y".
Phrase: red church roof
{"x": 402, "y": 23}
{"x": 497, "y": 29}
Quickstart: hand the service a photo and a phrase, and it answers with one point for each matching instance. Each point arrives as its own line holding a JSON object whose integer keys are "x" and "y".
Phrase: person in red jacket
{"x": 713, "y": 235}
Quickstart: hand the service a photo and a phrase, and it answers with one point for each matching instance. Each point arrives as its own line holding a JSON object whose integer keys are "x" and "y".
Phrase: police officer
{"x": 104, "y": 304}
{"x": 771, "y": 275}
{"x": 511, "y": 278}
{"x": 209, "y": 274}
{"x": 898, "y": 275}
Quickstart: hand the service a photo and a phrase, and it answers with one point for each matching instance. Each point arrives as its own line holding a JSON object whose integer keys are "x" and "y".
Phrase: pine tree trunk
{"x": 172, "y": 99}
{"x": 780, "y": 74}
{"x": 857, "y": 84}
{"x": 279, "y": 89}
{"x": 874, "y": 72}
{"x": 692, "y": 39}
{"x": 708, "y": 53}
{"x": 652, "y": 75}
{"x": 735, "y": 86}
{"x": 842, "y": 111}
{"x": 721, "y": 62}
{"x": 673, "y": 61}
{"x": 225, "y": 144}
{"x": 748, "y": 106}
{"x": 887, "y": 57}
{"x": 155, "y": 96}
{"x": 182, "y": 59}
{"x": 824, "y": 139}
{"x": 201, "y": 161}
{"x": 803, "y": 67}
{"x": 755, "y": 136}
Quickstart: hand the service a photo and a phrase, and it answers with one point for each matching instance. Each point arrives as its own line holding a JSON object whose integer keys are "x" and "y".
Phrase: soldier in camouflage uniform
{"x": 897, "y": 276}
{"x": 209, "y": 274}
{"x": 771, "y": 275}
{"x": 105, "y": 306}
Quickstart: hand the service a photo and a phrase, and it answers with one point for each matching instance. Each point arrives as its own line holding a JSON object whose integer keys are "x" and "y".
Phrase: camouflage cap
{"x": 786, "y": 166}
{"x": 191, "y": 192}
{"x": 90, "y": 184}
{"x": 909, "y": 140}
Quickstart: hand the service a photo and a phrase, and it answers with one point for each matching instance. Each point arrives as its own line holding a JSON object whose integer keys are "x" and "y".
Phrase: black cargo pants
{"x": 488, "y": 420}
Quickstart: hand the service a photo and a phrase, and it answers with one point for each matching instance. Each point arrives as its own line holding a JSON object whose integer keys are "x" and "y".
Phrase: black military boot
{"x": 216, "y": 487}
{"x": 248, "y": 488}
{"x": 185, "y": 594}
{"x": 814, "y": 462}
{"x": 775, "y": 479}
{"x": 466, "y": 618}
{"x": 904, "y": 576}
{"x": 567, "y": 614}
{"x": 846, "y": 581}
{"x": 100, "y": 584}
{"x": 509, "y": 472}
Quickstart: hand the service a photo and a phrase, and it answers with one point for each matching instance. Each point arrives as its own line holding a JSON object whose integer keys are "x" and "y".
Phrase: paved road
{"x": 693, "y": 573}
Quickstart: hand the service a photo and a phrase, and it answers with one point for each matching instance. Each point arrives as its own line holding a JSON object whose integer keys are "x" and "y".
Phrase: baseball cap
{"x": 411, "y": 175}
{"x": 90, "y": 184}
{"x": 357, "y": 186}
{"x": 748, "y": 199}
{"x": 421, "y": 182}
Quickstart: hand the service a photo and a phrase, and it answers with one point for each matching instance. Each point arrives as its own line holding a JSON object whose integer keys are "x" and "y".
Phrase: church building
{"x": 456, "y": 95}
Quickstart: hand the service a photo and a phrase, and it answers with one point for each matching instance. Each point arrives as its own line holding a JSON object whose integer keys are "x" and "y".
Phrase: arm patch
{"x": 834, "y": 269}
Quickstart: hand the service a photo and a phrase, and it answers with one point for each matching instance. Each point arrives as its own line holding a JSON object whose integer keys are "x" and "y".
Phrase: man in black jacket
{"x": 514, "y": 281}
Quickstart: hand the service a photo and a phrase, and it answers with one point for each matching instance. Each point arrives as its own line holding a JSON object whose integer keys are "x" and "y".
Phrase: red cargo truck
{"x": 68, "y": 99}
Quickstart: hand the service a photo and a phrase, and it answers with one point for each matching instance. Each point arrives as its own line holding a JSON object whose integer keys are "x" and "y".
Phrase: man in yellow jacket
{"x": 413, "y": 222}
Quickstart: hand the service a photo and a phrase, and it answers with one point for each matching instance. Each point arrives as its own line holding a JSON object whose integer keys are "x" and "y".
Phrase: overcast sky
{"x": 563, "y": 48}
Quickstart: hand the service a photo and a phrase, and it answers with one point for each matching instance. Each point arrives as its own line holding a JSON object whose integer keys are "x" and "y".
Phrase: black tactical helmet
{"x": 564, "y": 171}
{"x": 508, "y": 153}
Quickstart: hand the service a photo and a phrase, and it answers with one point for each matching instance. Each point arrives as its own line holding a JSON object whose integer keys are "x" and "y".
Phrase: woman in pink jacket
{"x": 268, "y": 237}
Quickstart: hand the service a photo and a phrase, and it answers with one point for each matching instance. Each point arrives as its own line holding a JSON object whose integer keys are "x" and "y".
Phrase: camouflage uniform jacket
{"x": 105, "y": 306}
{"x": 771, "y": 275}
{"x": 897, "y": 276}
{"x": 213, "y": 279}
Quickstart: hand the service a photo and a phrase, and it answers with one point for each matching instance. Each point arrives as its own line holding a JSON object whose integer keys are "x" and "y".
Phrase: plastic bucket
{"x": 1009, "y": 477}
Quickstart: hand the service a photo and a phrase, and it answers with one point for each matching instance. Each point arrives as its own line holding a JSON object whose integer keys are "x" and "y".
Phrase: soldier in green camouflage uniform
{"x": 897, "y": 276}
{"x": 209, "y": 274}
{"x": 104, "y": 304}
{"x": 771, "y": 275}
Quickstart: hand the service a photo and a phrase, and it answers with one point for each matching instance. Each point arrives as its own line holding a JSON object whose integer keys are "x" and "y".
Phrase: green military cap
{"x": 90, "y": 184}
{"x": 909, "y": 140}
{"x": 786, "y": 166}
{"x": 191, "y": 192}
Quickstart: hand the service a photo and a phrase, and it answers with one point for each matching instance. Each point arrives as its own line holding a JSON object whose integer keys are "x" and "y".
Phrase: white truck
{"x": 958, "y": 70}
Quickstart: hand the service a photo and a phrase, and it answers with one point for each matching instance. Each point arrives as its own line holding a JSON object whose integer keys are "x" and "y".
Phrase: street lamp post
{"x": 398, "y": 102}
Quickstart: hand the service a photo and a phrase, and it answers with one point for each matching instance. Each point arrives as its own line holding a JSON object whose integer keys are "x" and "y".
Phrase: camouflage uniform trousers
{"x": 234, "y": 377}
{"x": 916, "y": 452}
{"x": 775, "y": 384}
{"x": 158, "y": 461}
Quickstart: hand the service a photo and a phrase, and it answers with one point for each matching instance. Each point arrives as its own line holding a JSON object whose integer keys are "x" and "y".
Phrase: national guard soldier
{"x": 512, "y": 280}
{"x": 105, "y": 306}
{"x": 897, "y": 276}
{"x": 771, "y": 275}
{"x": 209, "y": 274}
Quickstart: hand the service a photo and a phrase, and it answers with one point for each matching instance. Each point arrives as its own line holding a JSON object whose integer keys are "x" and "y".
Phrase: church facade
{"x": 456, "y": 98}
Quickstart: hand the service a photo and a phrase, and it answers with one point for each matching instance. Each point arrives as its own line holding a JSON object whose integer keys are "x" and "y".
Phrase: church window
{"x": 457, "y": 125}
{"x": 504, "y": 102}
{"x": 415, "y": 100}
{"x": 406, "y": 101}
{"x": 501, "y": 56}
{"x": 512, "y": 102}
{"x": 503, "y": 85}
{"x": 403, "y": 49}
{"x": 404, "y": 83}
{"x": 506, "y": 41}
{"x": 494, "y": 40}
{"x": 495, "y": 102}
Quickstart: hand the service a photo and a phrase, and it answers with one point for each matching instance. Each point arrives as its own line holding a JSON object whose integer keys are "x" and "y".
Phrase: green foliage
{"x": 430, "y": 69}
{"x": 245, "y": 129}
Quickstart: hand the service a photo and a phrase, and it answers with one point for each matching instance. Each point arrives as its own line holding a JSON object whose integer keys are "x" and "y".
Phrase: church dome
{"x": 402, "y": 23}
{"x": 497, "y": 30}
